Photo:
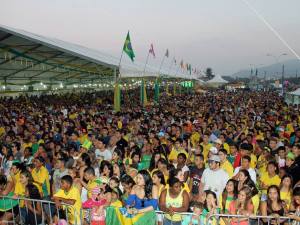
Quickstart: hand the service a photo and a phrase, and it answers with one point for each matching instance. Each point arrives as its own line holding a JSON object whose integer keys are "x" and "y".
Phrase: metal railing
{"x": 39, "y": 212}
{"x": 251, "y": 219}
{"x": 34, "y": 212}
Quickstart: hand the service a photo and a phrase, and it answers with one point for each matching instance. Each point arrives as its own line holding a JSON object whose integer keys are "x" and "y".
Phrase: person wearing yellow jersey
{"x": 70, "y": 195}
{"x": 206, "y": 146}
{"x": 40, "y": 176}
{"x": 270, "y": 177}
{"x": 225, "y": 164}
{"x": 177, "y": 148}
{"x": 93, "y": 181}
{"x": 172, "y": 201}
{"x": 286, "y": 189}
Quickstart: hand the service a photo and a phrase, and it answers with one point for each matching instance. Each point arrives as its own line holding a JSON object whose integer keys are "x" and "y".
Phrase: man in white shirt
{"x": 246, "y": 166}
{"x": 101, "y": 151}
{"x": 214, "y": 178}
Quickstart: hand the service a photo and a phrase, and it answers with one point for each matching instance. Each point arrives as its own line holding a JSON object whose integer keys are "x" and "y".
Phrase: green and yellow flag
{"x": 117, "y": 97}
{"x": 127, "y": 48}
{"x": 120, "y": 216}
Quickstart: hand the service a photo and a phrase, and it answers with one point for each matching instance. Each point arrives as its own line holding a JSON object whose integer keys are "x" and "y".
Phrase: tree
{"x": 209, "y": 73}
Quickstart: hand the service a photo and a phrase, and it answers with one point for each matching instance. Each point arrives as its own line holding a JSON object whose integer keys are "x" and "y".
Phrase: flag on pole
{"x": 174, "y": 60}
{"x": 151, "y": 50}
{"x": 127, "y": 48}
{"x": 117, "y": 97}
{"x": 167, "y": 53}
{"x": 143, "y": 94}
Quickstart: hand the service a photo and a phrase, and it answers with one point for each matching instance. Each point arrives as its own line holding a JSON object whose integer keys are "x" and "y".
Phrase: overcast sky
{"x": 222, "y": 34}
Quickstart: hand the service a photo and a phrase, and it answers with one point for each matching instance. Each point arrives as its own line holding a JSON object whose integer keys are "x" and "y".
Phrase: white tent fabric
{"x": 217, "y": 80}
{"x": 128, "y": 69}
{"x": 296, "y": 92}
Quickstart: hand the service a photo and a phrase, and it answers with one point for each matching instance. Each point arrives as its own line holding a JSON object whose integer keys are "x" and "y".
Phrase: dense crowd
{"x": 212, "y": 153}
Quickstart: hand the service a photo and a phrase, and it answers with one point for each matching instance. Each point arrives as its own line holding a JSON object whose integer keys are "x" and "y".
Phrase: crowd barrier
{"x": 37, "y": 212}
{"x": 24, "y": 210}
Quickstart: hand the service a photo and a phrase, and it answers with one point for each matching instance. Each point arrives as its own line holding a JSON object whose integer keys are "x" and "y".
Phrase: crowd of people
{"x": 218, "y": 152}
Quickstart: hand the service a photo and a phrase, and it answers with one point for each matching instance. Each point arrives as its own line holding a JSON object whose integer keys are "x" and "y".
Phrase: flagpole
{"x": 120, "y": 65}
{"x": 146, "y": 63}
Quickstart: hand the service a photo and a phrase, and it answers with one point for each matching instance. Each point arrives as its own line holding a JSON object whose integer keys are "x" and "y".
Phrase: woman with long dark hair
{"x": 273, "y": 206}
{"x": 159, "y": 181}
{"x": 144, "y": 195}
{"x": 229, "y": 194}
{"x": 154, "y": 161}
{"x": 34, "y": 212}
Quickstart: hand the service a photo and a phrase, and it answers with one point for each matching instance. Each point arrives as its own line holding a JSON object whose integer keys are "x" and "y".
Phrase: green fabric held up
{"x": 127, "y": 48}
{"x": 7, "y": 203}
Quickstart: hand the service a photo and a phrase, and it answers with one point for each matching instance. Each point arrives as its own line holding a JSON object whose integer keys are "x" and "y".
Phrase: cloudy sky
{"x": 223, "y": 34}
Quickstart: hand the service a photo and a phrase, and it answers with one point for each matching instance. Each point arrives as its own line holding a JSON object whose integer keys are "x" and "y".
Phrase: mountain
{"x": 274, "y": 70}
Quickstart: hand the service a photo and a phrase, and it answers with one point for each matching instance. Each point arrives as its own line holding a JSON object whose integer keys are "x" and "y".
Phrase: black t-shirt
{"x": 195, "y": 175}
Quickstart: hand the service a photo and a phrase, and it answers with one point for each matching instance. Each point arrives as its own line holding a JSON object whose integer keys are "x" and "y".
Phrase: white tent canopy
{"x": 217, "y": 80}
{"x": 296, "y": 92}
{"x": 27, "y": 57}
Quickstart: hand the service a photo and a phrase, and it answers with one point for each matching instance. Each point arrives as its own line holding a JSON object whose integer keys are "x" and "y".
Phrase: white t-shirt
{"x": 214, "y": 180}
{"x": 106, "y": 154}
{"x": 251, "y": 172}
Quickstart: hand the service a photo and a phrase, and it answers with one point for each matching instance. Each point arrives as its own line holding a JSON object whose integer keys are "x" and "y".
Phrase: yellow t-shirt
{"x": 253, "y": 161}
{"x": 287, "y": 197}
{"x": 20, "y": 192}
{"x": 228, "y": 168}
{"x": 226, "y": 147}
{"x": 41, "y": 177}
{"x": 206, "y": 149}
{"x": 275, "y": 180}
{"x": 174, "y": 153}
{"x": 185, "y": 187}
{"x": 2, "y": 131}
{"x": 195, "y": 138}
{"x": 73, "y": 211}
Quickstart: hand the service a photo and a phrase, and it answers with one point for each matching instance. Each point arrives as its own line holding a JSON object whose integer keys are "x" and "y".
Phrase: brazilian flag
{"x": 120, "y": 216}
{"x": 127, "y": 48}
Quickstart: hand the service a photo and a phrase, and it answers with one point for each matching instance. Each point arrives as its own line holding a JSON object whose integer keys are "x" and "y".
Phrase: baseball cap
{"x": 218, "y": 141}
{"x": 213, "y": 150}
{"x": 291, "y": 156}
{"x": 215, "y": 158}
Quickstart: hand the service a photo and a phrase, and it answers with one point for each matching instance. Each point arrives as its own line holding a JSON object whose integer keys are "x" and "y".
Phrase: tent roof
{"x": 217, "y": 80}
{"x": 296, "y": 92}
{"x": 27, "y": 58}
